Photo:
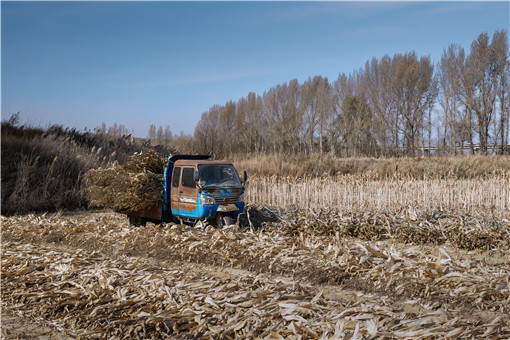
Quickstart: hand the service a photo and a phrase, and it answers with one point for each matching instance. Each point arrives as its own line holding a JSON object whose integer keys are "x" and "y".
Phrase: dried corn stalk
{"x": 98, "y": 297}
{"x": 360, "y": 193}
{"x": 135, "y": 186}
{"x": 170, "y": 289}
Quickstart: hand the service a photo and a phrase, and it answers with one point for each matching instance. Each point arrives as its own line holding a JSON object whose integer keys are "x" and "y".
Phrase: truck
{"x": 196, "y": 188}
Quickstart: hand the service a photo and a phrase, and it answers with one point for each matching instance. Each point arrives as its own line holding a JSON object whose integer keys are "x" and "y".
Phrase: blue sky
{"x": 139, "y": 63}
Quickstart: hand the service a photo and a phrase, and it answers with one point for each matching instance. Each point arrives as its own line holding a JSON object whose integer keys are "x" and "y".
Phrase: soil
{"x": 19, "y": 327}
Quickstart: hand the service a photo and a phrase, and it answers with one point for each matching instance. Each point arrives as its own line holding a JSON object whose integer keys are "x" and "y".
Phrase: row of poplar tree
{"x": 394, "y": 105}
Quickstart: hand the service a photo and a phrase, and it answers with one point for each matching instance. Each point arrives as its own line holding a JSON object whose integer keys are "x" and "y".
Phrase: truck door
{"x": 174, "y": 191}
{"x": 188, "y": 193}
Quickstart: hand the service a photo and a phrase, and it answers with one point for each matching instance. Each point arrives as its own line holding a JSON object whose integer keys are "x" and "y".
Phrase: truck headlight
{"x": 206, "y": 199}
{"x": 241, "y": 198}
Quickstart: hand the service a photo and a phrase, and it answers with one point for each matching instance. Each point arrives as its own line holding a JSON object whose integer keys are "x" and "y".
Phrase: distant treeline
{"x": 393, "y": 106}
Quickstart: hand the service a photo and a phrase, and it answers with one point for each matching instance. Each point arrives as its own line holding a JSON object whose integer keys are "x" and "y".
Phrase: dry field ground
{"x": 395, "y": 274}
{"x": 403, "y": 248}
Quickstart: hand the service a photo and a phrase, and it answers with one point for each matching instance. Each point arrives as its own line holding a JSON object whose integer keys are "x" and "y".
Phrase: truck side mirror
{"x": 195, "y": 176}
{"x": 245, "y": 176}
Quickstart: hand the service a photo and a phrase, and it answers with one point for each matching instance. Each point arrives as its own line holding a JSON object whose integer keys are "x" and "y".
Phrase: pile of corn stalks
{"x": 174, "y": 280}
{"x": 135, "y": 186}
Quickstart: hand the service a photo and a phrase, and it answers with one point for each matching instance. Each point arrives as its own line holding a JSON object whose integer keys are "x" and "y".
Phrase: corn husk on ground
{"x": 287, "y": 280}
{"x": 408, "y": 225}
{"x": 134, "y": 187}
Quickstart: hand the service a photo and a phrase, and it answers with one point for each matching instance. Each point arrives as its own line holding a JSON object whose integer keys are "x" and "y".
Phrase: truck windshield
{"x": 218, "y": 175}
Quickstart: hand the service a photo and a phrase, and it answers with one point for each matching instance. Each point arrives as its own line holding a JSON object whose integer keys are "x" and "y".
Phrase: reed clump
{"x": 43, "y": 169}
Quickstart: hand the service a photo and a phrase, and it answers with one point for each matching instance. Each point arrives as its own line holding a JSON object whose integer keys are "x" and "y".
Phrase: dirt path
{"x": 19, "y": 327}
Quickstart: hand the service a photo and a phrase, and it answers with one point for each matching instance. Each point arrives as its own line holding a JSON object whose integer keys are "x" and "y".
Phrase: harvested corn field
{"x": 359, "y": 193}
{"x": 291, "y": 275}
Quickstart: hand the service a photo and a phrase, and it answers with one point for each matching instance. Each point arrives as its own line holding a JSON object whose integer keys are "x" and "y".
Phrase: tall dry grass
{"x": 353, "y": 193}
{"x": 468, "y": 166}
{"x": 43, "y": 169}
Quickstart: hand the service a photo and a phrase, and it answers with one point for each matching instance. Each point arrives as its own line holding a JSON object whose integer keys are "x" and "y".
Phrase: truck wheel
{"x": 229, "y": 220}
{"x": 219, "y": 221}
{"x": 137, "y": 221}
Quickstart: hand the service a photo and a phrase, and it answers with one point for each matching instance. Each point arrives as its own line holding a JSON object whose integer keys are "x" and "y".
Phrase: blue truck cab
{"x": 197, "y": 188}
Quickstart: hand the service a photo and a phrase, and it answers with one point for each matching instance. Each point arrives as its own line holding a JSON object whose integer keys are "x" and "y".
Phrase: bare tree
{"x": 206, "y": 132}
{"x": 167, "y": 135}
{"x": 482, "y": 71}
{"x": 102, "y": 129}
{"x": 382, "y": 109}
{"x": 378, "y": 86}
{"x": 122, "y": 130}
{"x": 273, "y": 114}
{"x": 341, "y": 90}
{"x": 113, "y": 131}
{"x": 226, "y": 128}
{"x": 255, "y": 123}
{"x": 502, "y": 64}
{"x": 356, "y": 127}
{"x": 317, "y": 104}
{"x": 448, "y": 77}
{"x": 292, "y": 116}
{"x": 159, "y": 134}
{"x": 414, "y": 89}
{"x": 283, "y": 115}
{"x": 152, "y": 132}
{"x": 249, "y": 123}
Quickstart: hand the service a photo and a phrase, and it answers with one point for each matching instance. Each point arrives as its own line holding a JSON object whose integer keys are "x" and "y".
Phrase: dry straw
{"x": 135, "y": 186}
{"x": 401, "y": 291}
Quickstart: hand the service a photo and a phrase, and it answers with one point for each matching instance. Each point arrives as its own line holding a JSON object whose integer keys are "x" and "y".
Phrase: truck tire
{"x": 137, "y": 221}
{"x": 223, "y": 220}
{"x": 229, "y": 220}
{"x": 219, "y": 221}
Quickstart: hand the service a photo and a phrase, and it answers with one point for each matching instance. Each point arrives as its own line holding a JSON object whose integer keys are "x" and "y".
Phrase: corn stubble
{"x": 402, "y": 290}
{"x": 370, "y": 192}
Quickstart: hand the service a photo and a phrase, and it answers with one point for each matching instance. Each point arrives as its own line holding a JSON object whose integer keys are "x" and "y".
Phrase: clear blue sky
{"x": 139, "y": 63}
